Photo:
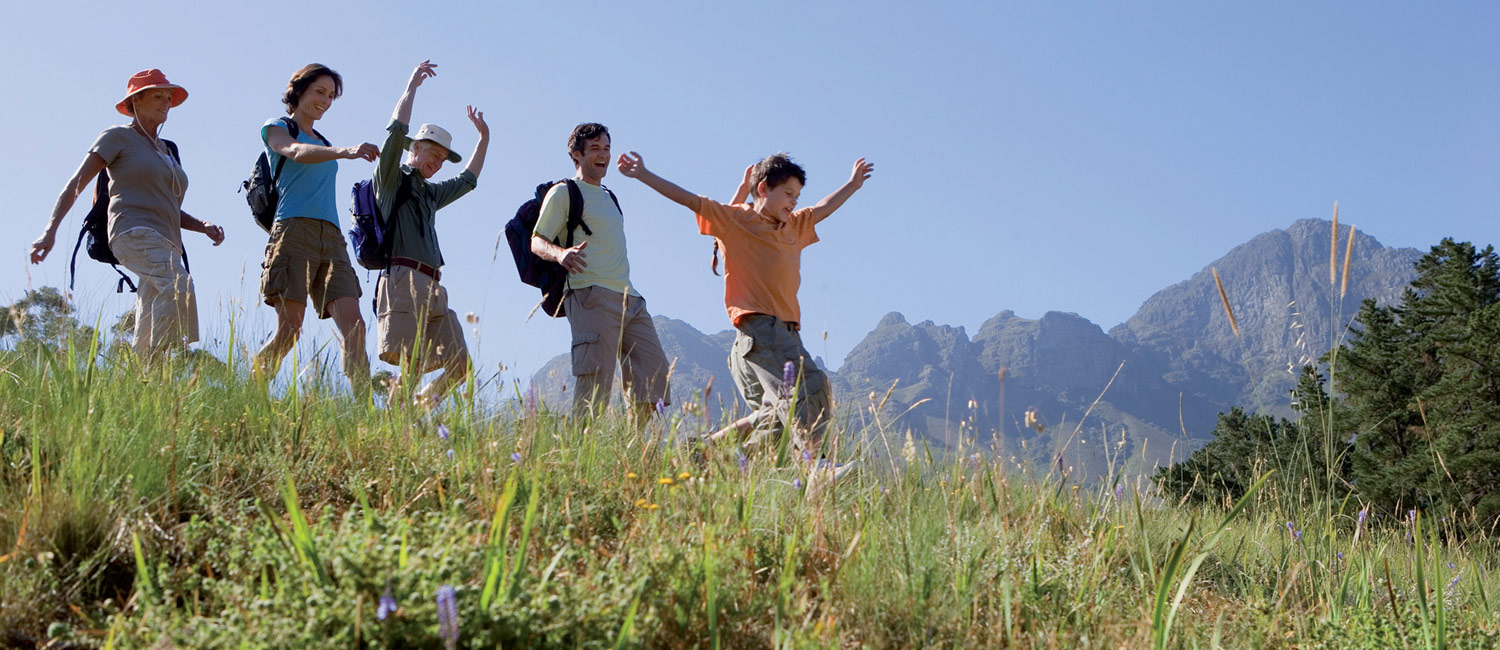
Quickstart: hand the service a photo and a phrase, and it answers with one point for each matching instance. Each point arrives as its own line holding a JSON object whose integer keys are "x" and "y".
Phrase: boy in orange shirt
{"x": 763, "y": 244}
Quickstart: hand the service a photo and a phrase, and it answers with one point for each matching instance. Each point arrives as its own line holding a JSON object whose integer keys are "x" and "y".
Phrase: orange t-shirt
{"x": 762, "y": 258}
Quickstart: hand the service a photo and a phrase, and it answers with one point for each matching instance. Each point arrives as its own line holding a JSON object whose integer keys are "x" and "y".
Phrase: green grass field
{"x": 183, "y": 507}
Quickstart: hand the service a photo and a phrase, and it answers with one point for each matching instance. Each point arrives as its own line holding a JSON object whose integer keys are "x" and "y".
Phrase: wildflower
{"x": 1454, "y": 582}
{"x": 661, "y": 407}
{"x": 515, "y": 457}
{"x": 1363, "y": 512}
{"x": 1411, "y": 514}
{"x": 1340, "y": 555}
{"x": 450, "y": 454}
{"x": 1119, "y": 491}
{"x": 653, "y": 506}
{"x": 665, "y": 480}
{"x": 806, "y": 455}
{"x": 797, "y": 483}
{"x": 640, "y": 503}
{"x": 442, "y": 432}
{"x": 447, "y": 611}
{"x": 789, "y": 373}
{"x": 744, "y": 461}
{"x": 684, "y": 476}
{"x": 632, "y": 475}
{"x": 1292, "y": 530}
{"x": 387, "y": 603}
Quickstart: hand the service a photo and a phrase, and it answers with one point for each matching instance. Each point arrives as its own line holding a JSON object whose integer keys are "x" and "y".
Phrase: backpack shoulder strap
{"x": 614, "y": 198}
{"x": 99, "y": 210}
{"x": 575, "y": 211}
{"x": 172, "y": 147}
{"x": 291, "y": 128}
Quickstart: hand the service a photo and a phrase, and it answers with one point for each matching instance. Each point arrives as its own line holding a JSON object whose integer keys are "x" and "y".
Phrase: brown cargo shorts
{"x": 413, "y": 321}
{"x": 307, "y": 257}
{"x": 608, "y": 325}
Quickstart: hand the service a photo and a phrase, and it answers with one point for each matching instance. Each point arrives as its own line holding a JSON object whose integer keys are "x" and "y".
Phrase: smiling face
{"x": 427, "y": 157}
{"x": 593, "y": 162}
{"x": 150, "y": 106}
{"x": 778, "y": 202}
{"x": 318, "y": 97}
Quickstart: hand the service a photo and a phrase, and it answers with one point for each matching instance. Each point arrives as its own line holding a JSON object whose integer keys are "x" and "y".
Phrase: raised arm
{"x": 476, "y": 160}
{"x": 825, "y": 208}
{"x": 280, "y": 141}
{"x": 742, "y": 193}
{"x": 424, "y": 70}
{"x": 633, "y": 166}
{"x": 86, "y": 173}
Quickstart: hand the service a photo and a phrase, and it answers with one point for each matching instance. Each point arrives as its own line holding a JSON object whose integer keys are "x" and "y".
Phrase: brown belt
{"x": 424, "y": 269}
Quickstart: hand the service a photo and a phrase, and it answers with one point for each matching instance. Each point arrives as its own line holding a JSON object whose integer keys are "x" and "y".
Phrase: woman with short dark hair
{"x": 307, "y": 257}
{"x": 146, "y": 188}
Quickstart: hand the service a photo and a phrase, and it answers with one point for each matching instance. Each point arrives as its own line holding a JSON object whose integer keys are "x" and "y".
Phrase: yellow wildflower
{"x": 665, "y": 480}
{"x": 632, "y": 475}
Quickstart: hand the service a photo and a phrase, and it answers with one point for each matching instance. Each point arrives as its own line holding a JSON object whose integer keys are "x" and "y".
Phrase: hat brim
{"x": 179, "y": 95}
{"x": 453, "y": 156}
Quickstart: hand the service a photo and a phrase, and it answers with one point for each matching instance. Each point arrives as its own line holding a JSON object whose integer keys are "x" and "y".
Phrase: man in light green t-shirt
{"x": 606, "y": 314}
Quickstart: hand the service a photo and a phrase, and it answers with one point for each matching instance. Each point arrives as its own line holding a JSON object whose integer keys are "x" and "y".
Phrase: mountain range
{"x": 1059, "y": 389}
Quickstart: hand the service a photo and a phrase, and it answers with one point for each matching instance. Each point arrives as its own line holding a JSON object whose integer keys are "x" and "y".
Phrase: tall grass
{"x": 183, "y": 505}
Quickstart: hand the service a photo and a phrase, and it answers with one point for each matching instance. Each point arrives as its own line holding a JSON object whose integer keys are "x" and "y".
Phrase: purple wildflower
{"x": 806, "y": 455}
{"x": 1292, "y": 530}
{"x": 442, "y": 432}
{"x": 797, "y": 483}
{"x": 789, "y": 373}
{"x": 661, "y": 407}
{"x": 1119, "y": 491}
{"x": 515, "y": 457}
{"x": 1362, "y": 513}
{"x": 387, "y": 603}
{"x": 447, "y": 611}
{"x": 1411, "y": 514}
{"x": 450, "y": 454}
{"x": 744, "y": 461}
{"x": 1454, "y": 582}
{"x": 1340, "y": 555}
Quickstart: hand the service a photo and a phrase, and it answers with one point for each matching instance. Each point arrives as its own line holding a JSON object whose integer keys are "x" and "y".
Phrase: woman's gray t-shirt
{"x": 146, "y": 185}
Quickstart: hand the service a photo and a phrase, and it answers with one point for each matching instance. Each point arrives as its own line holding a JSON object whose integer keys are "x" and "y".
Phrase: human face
{"x": 779, "y": 202}
{"x": 427, "y": 157}
{"x": 151, "y": 106}
{"x": 318, "y": 97}
{"x": 593, "y": 161}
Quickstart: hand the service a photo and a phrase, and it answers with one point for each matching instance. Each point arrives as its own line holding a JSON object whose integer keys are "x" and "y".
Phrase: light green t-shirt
{"x": 608, "y": 266}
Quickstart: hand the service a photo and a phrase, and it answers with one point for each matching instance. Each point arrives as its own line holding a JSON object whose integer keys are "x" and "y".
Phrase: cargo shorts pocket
{"x": 586, "y": 354}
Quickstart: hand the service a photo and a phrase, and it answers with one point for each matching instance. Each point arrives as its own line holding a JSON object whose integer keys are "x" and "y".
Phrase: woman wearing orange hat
{"x": 146, "y": 186}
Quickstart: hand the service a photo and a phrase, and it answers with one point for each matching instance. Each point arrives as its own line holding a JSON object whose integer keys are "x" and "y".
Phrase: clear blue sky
{"x": 1030, "y": 156}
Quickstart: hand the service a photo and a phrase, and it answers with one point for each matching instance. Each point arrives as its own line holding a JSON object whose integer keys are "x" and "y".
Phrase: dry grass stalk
{"x": 1333, "y": 246}
{"x": 1348, "y": 253}
{"x": 1233, "y": 324}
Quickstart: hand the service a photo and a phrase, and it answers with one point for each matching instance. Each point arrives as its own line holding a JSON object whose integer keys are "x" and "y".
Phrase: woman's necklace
{"x": 166, "y": 156}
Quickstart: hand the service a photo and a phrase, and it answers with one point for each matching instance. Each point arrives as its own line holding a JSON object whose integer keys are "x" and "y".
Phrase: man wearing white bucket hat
{"x": 415, "y": 327}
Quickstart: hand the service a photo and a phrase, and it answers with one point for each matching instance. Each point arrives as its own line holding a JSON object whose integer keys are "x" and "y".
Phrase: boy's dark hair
{"x": 305, "y": 77}
{"x": 582, "y": 133}
{"x": 775, "y": 170}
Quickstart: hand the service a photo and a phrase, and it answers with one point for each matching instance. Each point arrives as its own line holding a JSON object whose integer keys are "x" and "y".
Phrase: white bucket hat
{"x": 439, "y": 135}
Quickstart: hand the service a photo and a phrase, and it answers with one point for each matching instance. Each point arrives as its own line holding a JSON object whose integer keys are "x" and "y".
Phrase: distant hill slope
{"x": 1178, "y": 361}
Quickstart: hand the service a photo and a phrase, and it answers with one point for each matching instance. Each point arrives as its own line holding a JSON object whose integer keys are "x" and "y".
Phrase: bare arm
{"x": 573, "y": 259}
{"x": 476, "y": 161}
{"x": 193, "y": 224}
{"x": 92, "y": 165}
{"x": 424, "y": 70}
{"x": 633, "y": 166}
{"x": 825, "y": 208}
{"x": 742, "y": 192}
{"x": 280, "y": 141}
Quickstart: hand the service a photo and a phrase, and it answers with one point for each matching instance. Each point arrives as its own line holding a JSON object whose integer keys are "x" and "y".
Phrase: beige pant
{"x": 608, "y": 325}
{"x": 166, "y": 307}
{"x": 414, "y": 322}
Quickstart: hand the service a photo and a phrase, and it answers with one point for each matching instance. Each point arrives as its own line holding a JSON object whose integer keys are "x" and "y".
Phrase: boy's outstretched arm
{"x": 825, "y": 208}
{"x": 633, "y": 166}
{"x": 424, "y": 70}
{"x": 742, "y": 192}
{"x": 476, "y": 161}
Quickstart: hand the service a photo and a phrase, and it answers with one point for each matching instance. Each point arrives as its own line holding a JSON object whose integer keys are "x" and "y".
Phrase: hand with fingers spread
{"x": 477, "y": 117}
{"x": 574, "y": 259}
{"x": 424, "y": 70}
{"x": 632, "y": 165}
{"x": 862, "y": 171}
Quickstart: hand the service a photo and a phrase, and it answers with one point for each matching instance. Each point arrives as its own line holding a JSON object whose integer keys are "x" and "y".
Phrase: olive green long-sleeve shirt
{"x": 415, "y": 227}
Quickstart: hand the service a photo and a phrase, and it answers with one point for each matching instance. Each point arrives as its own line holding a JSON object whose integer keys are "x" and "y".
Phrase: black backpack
{"x": 373, "y": 233}
{"x": 546, "y": 275}
{"x": 260, "y": 189}
{"x": 95, "y": 230}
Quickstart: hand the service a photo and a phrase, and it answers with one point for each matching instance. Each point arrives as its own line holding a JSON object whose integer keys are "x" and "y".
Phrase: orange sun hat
{"x": 146, "y": 80}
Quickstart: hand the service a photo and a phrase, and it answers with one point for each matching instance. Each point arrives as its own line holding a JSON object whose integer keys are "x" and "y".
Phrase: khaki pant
{"x": 763, "y": 346}
{"x": 414, "y": 322}
{"x": 166, "y": 307}
{"x": 608, "y": 325}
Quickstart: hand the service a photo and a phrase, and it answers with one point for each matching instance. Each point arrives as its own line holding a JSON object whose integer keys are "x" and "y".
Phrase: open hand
{"x": 41, "y": 247}
{"x": 862, "y": 171}
{"x": 367, "y": 151}
{"x": 477, "y": 117}
{"x": 424, "y": 70}
{"x": 632, "y": 165}
{"x": 574, "y": 259}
